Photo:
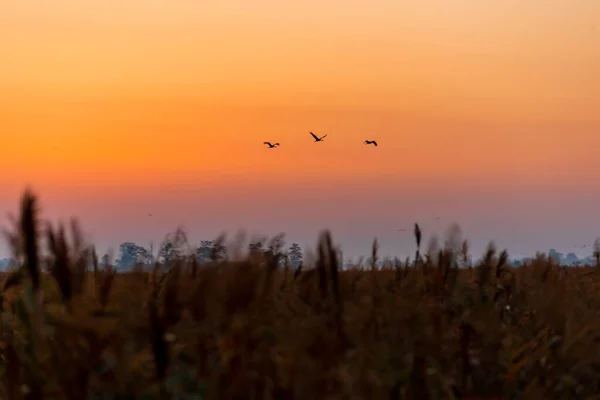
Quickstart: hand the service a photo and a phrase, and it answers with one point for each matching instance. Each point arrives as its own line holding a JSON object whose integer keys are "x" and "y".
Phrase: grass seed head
{"x": 29, "y": 233}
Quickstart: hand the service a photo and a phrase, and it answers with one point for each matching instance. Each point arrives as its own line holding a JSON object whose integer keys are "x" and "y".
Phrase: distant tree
{"x": 173, "y": 247}
{"x": 256, "y": 248}
{"x": 275, "y": 249}
{"x": 295, "y": 255}
{"x": 277, "y": 243}
{"x": 105, "y": 260}
{"x": 168, "y": 252}
{"x": 555, "y": 255}
{"x": 219, "y": 251}
{"x": 204, "y": 251}
{"x": 571, "y": 259}
{"x": 130, "y": 254}
{"x": 589, "y": 260}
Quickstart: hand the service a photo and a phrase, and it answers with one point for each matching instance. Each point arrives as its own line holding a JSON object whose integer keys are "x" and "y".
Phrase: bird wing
{"x": 267, "y": 143}
{"x": 323, "y": 137}
{"x": 313, "y": 135}
{"x": 375, "y": 143}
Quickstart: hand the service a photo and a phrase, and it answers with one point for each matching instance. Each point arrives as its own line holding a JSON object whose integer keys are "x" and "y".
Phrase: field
{"x": 247, "y": 328}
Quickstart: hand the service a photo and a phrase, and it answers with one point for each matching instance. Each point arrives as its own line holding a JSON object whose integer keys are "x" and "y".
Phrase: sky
{"x": 486, "y": 114}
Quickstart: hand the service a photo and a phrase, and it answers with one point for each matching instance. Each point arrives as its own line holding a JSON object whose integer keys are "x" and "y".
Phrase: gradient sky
{"x": 487, "y": 114}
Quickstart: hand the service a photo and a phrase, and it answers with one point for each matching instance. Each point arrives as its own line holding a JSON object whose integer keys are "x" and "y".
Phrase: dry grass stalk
{"x": 60, "y": 268}
{"x": 104, "y": 284}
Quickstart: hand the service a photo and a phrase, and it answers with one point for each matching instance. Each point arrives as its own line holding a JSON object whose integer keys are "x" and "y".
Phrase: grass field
{"x": 245, "y": 328}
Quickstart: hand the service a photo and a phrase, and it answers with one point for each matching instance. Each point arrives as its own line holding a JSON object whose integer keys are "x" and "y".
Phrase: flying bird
{"x": 401, "y": 230}
{"x": 317, "y": 139}
{"x": 271, "y": 145}
{"x": 371, "y": 142}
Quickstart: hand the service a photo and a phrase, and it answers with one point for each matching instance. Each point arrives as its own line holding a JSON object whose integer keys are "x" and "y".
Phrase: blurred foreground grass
{"x": 245, "y": 328}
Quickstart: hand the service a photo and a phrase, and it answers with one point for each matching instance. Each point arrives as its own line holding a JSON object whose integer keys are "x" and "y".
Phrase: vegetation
{"x": 432, "y": 327}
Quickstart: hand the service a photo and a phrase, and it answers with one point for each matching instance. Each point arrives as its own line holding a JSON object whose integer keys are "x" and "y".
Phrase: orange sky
{"x": 101, "y": 99}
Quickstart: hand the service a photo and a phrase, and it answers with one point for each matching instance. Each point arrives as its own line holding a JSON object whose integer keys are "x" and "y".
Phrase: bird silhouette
{"x": 401, "y": 230}
{"x": 317, "y": 139}
{"x": 271, "y": 145}
{"x": 371, "y": 142}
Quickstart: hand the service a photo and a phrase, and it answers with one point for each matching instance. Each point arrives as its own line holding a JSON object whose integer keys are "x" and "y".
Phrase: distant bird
{"x": 271, "y": 145}
{"x": 317, "y": 139}
{"x": 438, "y": 218}
{"x": 371, "y": 142}
{"x": 401, "y": 230}
{"x": 149, "y": 215}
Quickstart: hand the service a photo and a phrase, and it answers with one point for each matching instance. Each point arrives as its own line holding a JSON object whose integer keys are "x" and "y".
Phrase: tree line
{"x": 131, "y": 253}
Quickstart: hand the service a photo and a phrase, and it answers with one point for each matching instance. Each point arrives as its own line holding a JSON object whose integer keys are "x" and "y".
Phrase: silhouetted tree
{"x": 256, "y": 248}
{"x": 571, "y": 259}
{"x": 204, "y": 251}
{"x": 173, "y": 247}
{"x": 168, "y": 252}
{"x": 277, "y": 242}
{"x": 275, "y": 249}
{"x": 130, "y": 254}
{"x": 219, "y": 251}
{"x": 295, "y": 255}
{"x": 555, "y": 255}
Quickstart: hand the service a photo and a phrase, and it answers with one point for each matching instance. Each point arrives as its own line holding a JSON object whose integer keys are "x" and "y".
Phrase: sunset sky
{"x": 487, "y": 113}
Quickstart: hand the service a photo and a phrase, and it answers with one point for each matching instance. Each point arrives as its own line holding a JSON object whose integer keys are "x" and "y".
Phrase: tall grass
{"x": 435, "y": 327}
